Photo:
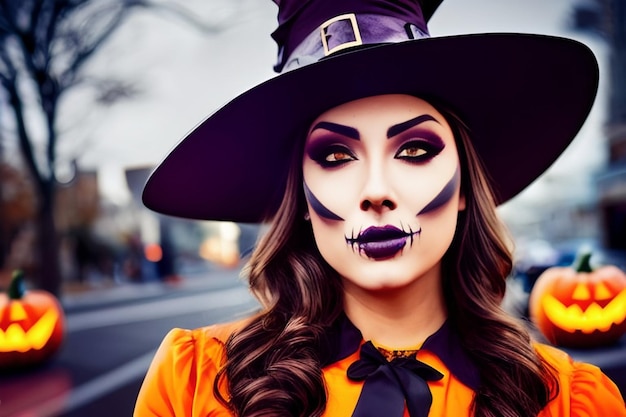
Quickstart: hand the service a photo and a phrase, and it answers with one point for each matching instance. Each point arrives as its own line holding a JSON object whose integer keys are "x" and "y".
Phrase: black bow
{"x": 388, "y": 385}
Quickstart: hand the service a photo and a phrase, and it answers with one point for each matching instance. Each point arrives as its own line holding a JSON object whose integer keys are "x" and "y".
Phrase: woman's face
{"x": 382, "y": 181}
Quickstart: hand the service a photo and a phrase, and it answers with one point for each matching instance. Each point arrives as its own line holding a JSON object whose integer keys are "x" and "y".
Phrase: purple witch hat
{"x": 524, "y": 97}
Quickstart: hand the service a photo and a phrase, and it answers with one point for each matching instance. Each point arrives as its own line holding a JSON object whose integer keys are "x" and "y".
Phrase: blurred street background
{"x": 93, "y": 96}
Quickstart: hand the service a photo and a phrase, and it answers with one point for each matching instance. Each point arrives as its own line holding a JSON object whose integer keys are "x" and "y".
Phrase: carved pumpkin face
{"x": 580, "y": 307}
{"x": 31, "y": 327}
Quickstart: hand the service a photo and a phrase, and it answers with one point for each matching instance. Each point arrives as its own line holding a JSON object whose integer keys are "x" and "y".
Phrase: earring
{"x": 307, "y": 216}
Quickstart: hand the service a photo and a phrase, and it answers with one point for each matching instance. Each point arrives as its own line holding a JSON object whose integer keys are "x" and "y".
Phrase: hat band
{"x": 349, "y": 31}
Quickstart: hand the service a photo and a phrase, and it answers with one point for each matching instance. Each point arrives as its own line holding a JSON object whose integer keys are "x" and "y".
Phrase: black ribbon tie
{"x": 389, "y": 385}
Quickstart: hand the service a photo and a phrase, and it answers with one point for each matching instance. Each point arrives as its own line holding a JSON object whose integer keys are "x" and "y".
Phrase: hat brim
{"x": 524, "y": 98}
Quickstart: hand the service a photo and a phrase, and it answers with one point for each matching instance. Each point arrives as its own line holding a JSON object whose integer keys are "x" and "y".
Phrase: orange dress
{"x": 180, "y": 380}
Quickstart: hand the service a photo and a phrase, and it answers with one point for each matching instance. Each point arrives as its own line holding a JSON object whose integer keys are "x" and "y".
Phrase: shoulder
{"x": 200, "y": 345}
{"x": 556, "y": 358}
{"x": 584, "y": 390}
{"x": 184, "y": 368}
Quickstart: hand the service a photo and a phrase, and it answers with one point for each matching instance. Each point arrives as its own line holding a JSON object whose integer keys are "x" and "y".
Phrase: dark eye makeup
{"x": 418, "y": 150}
{"x": 415, "y": 146}
{"x": 419, "y": 145}
{"x": 330, "y": 155}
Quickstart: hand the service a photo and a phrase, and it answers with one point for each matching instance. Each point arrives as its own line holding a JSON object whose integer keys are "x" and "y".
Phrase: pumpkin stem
{"x": 581, "y": 263}
{"x": 17, "y": 288}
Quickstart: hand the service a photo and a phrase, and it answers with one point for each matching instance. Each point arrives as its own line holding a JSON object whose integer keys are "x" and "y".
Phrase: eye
{"x": 338, "y": 156}
{"x": 411, "y": 152}
{"x": 418, "y": 151}
{"x": 332, "y": 156}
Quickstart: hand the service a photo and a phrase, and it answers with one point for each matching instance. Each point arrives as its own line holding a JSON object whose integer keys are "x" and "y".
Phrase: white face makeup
{"x": 382, "y": 180}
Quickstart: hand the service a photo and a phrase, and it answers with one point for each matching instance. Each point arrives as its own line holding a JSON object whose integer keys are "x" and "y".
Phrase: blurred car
{"x": 534, "y": 257}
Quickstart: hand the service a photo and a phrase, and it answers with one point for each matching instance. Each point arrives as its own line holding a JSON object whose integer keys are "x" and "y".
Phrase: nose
{"x": 377, "y": 194}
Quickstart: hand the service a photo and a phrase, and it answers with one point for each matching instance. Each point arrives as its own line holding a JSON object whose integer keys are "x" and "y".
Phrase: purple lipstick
{"x": 381, "y": 242}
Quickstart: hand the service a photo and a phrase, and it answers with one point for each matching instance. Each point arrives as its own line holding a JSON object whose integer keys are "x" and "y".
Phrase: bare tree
{"x": 44, "y": 46}
{"x": 17, "y": 208}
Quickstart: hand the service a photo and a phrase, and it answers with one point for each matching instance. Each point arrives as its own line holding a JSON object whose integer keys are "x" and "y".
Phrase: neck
{"x": 399, "y": 317}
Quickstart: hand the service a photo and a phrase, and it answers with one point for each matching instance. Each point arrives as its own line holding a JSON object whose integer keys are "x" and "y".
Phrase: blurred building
{"x": 570, "y": 209}
{"x": 611, "y": 23}
{"x": 180, "y": 244}
{"x": 78, "y": 201}
{"x": 590, "y": 205}
{"x": 607, "y": 18}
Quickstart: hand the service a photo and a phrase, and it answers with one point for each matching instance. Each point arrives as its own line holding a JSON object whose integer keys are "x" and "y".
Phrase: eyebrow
{"x": 401, "y": 127}
{"x": 347, "y": 131}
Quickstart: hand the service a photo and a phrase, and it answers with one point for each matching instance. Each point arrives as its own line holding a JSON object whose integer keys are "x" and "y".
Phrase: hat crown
{"x": 378, "y": 21}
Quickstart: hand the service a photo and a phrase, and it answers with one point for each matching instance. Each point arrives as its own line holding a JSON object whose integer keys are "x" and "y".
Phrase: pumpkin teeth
{"x": 594, "y": 318}
{"x": 595, "y": 315}
{"x": 15, "y": 339}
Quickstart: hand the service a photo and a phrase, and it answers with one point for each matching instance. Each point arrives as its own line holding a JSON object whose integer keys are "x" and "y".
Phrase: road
{"x": 111, "y": 338}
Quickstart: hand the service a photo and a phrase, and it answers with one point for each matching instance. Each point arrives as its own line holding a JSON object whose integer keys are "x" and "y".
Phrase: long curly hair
{"x": 273, "y": 366}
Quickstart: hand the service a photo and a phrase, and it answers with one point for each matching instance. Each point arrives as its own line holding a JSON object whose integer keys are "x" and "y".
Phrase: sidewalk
{"x": 78, "y": 296}
{"x": 98, "y": 291}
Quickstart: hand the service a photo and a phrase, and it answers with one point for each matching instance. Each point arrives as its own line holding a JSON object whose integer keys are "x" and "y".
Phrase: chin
{"x": 390, "y": 285}
{"x": 389, "y": 274}
{"x": 380, "y": 278}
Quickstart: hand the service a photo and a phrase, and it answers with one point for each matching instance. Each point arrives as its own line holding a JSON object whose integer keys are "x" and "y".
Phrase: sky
{"x": 183, "y": 75}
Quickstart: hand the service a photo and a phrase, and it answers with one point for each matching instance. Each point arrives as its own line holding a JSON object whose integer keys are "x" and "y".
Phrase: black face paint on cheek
{"x": 317, "y": 205}
{"x": 445, "y": 195}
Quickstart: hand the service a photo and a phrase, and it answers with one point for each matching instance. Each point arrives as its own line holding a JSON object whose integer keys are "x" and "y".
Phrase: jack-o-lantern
{"x": 578, "y": 306}
{"x": 32, "y": 326}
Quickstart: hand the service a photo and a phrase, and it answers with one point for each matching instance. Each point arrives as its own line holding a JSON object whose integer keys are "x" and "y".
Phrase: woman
{"x": 382, "y": 273}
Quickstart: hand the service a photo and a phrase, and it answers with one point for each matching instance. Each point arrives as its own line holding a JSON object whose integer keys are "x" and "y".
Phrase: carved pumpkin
{"x": 32, "y": 326}
{"x": 578, "y": 306}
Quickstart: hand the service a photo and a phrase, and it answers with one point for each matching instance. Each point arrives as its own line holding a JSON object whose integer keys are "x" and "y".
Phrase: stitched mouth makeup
{"x": 381, "y": 242}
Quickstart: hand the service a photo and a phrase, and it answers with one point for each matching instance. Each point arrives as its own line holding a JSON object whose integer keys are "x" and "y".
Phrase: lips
{"x": 381, "y": 242}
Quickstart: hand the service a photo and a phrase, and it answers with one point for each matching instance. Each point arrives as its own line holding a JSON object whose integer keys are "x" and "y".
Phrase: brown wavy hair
{"x": 273, "y": 365}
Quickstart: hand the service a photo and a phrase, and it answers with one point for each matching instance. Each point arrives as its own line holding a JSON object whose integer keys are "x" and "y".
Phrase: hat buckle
{"x": 325, "y": 36}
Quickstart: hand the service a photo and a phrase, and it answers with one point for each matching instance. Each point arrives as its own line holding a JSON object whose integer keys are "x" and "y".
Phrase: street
{"x": 111, "y": 338}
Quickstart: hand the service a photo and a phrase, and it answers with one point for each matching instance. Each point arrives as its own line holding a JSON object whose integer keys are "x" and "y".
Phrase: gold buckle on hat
{"x": 355, "y": 30}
